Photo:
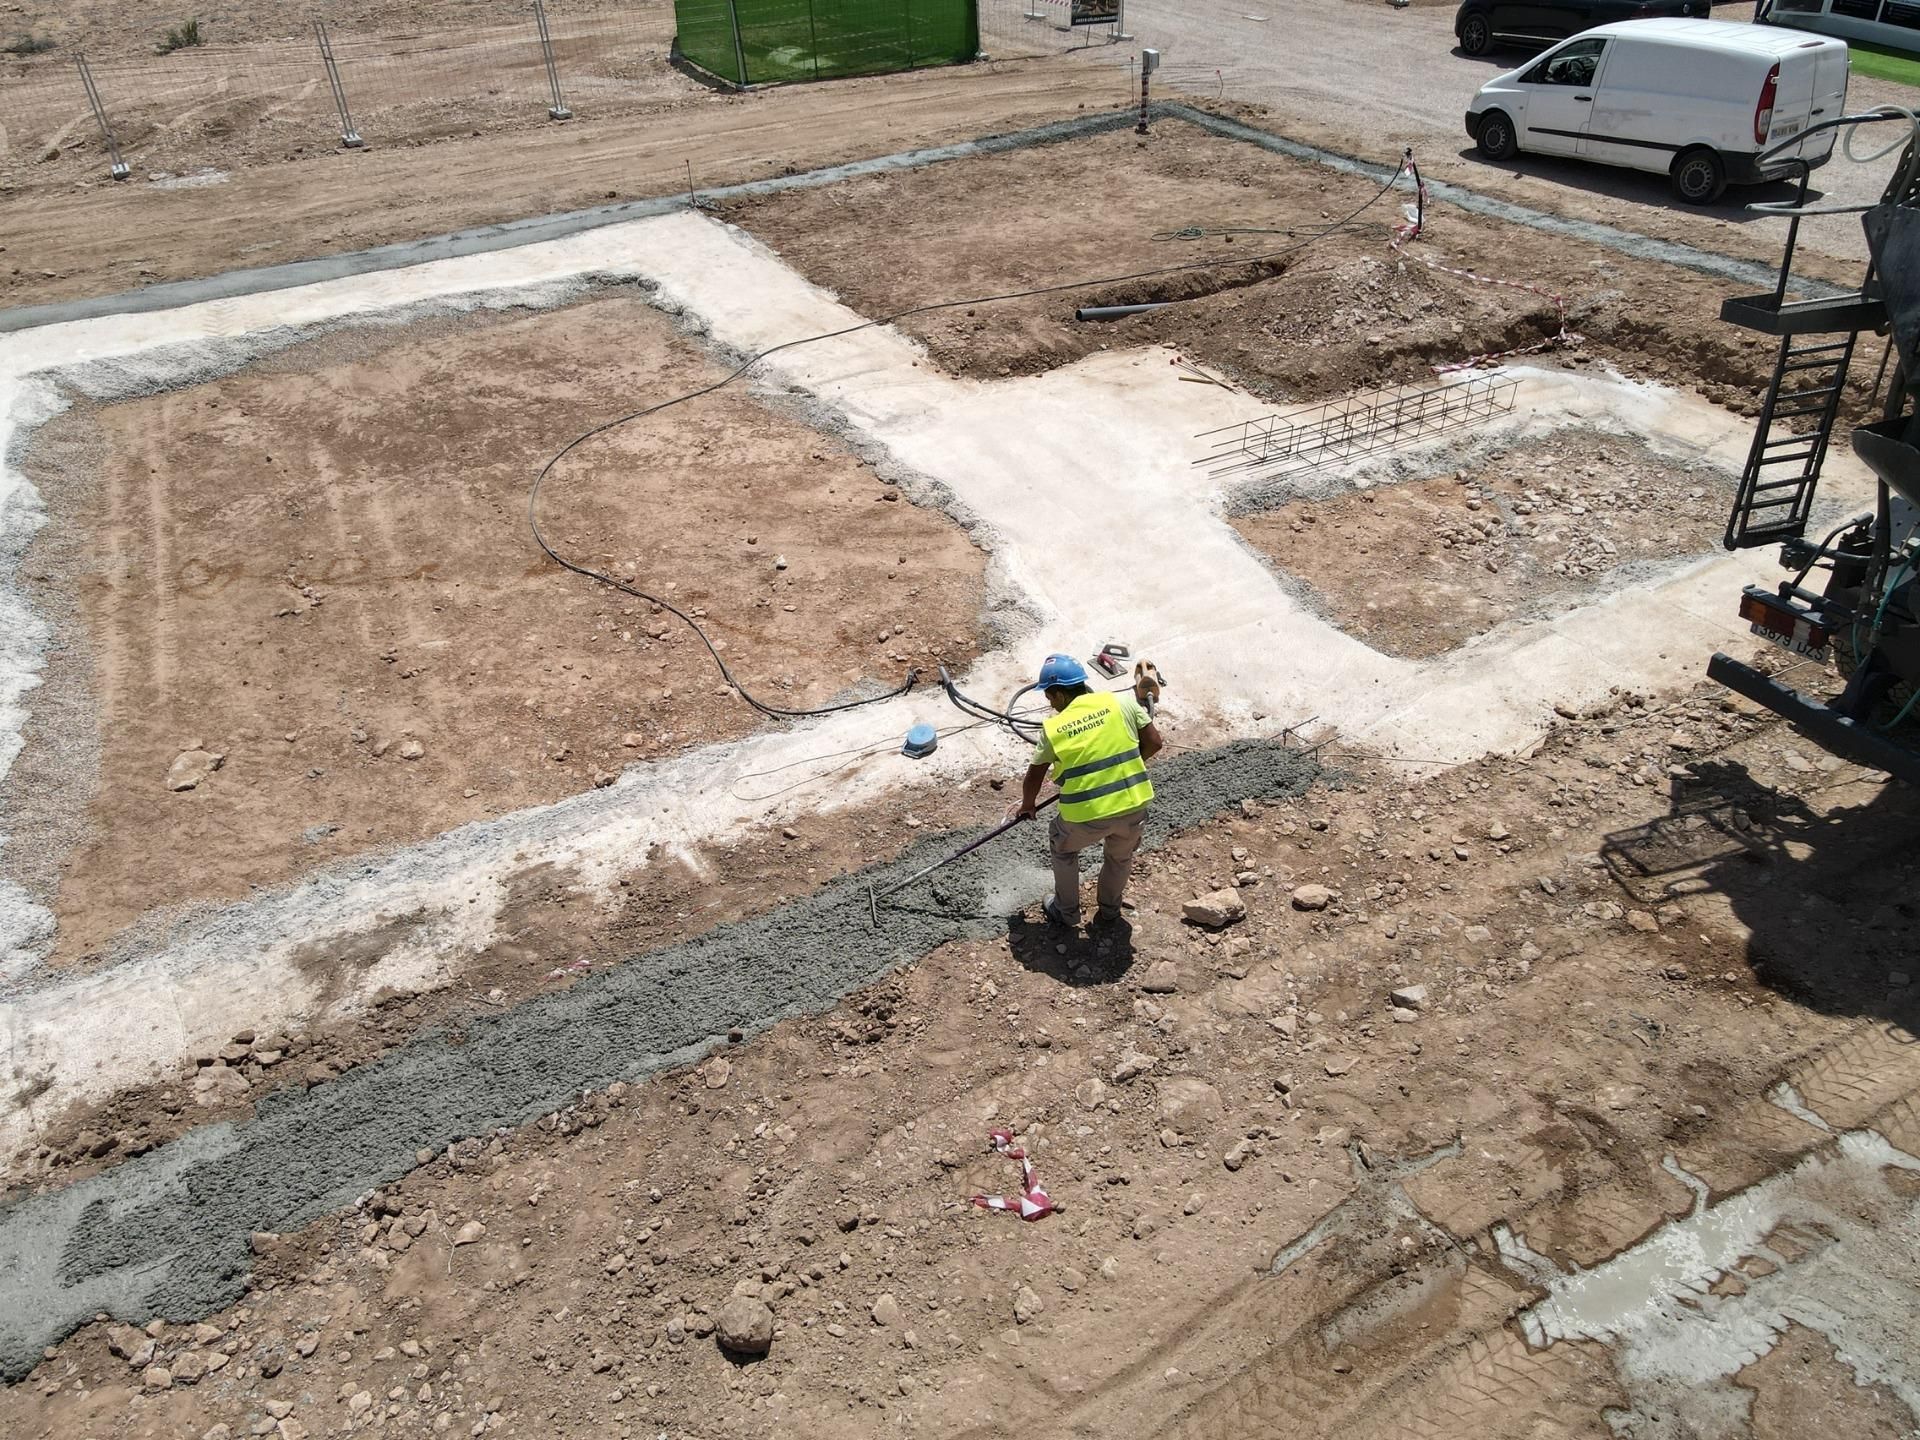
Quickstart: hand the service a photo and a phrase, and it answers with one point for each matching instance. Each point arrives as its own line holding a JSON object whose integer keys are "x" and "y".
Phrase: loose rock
{"x": 744, "y": 1325}
{"x": 190, "y": 767}
{"x": 1311, "y": 897}
{"x": 1026, "y": 1306}
{"x": 1216, "y": 910}
{"x": 1161, "y": 977}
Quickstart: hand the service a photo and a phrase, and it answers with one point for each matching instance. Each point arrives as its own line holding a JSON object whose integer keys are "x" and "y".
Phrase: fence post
{"x": 906, "y": 7}
{"x": 349, "y": 136}
{"x": 813, "y": 39}
{"x": 119, "y": 169}
{"x": 558, "y": 110}
{"x": 739, "y": 49}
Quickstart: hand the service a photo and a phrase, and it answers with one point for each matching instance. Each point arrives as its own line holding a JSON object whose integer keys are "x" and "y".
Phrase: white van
{"x": 1693, "y": 99}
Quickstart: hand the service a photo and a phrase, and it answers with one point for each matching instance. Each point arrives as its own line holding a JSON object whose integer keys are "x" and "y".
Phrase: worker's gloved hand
{"x": 1019, "y": 810}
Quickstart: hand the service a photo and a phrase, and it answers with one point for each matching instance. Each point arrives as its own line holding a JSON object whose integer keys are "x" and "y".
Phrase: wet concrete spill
{"x": 167, "y": 1234}
{"x": 1827, "y": 1243}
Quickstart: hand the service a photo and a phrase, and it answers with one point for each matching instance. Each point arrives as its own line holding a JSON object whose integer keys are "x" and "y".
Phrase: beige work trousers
{"x": 1118, "y": 837}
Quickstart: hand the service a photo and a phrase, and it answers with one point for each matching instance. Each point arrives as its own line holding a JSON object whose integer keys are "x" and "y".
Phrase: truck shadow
{"x": 1830, "y": 897}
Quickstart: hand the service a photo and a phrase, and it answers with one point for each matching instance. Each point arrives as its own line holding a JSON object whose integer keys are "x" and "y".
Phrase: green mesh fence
{"x": 779, "y": 40}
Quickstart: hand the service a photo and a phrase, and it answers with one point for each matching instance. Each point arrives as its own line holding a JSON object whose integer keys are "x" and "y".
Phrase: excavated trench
{"x": 167, "y": 1234}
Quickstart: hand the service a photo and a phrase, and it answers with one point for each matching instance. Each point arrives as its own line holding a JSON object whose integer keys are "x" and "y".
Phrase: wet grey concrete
{"x": 167, "y": 1234}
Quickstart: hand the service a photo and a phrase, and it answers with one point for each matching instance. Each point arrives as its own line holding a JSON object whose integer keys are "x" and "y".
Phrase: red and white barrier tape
{"x": 1032, "y": 1203}
{"x": 1411, "y": 231}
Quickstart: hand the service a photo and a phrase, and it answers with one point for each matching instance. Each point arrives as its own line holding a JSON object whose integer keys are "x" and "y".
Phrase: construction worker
{"x": 1097, "y": 744}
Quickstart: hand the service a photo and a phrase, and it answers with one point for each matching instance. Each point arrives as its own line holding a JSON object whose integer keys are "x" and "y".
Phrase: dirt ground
{"x": 1529, "y": 530}
{"x": 1617, "y": 961}
{"x": 89, "y": 237}
{"x": 118, "y": 29}
{"x": 1543, "y": 996}
{"x": 1303, "y": 317}
{"x": 254, "y": 92}
{"x": 316, "y": 564}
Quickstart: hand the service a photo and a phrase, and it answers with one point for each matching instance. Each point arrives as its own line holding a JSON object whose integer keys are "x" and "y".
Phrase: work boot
{"x": 1054, "y": 917}
{"x": 1105, "y": 917}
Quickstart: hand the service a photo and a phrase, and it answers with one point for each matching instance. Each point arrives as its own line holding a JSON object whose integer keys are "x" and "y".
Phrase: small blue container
{"x": 922, "y": 740}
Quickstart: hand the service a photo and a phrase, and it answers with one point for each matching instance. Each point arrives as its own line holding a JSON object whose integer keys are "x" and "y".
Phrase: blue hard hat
{"x": 1062, "y": 670}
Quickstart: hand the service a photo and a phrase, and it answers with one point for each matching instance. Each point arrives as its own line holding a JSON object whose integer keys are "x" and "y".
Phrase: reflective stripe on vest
{"x": 1096, "y": 760}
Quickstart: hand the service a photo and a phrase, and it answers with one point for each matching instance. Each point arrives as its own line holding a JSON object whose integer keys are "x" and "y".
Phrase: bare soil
{"x": 1596, "y": 1000}
{"x": 1802, "y": 1383}
{"x": 254, "y": 91}
{"x": 1239, "y": 236}
{"x": 79, "y": 234}
{"x": 1627, "y": 939}
{"x": 311, "y": 565}
{"x": 1419, "y": 567}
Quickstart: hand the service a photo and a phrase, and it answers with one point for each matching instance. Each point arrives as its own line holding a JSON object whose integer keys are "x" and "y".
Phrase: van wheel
{"x": 1496, "y": 139}
{"x": 1476, "y": 36}
{"x": 1698, "y": 177}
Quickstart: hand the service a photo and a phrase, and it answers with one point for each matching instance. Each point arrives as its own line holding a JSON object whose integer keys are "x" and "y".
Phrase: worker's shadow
{"x": 1100, "y": 956}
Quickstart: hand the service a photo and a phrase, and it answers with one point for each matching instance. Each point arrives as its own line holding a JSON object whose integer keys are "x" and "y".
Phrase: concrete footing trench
{"x": 167, "y": 1234}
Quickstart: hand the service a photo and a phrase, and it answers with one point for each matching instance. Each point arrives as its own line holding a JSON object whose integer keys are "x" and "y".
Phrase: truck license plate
{"x": 1772, "y": 619}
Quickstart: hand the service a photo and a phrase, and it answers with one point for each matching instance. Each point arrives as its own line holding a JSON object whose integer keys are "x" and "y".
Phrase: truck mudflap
{"x": 1846, "y": 738}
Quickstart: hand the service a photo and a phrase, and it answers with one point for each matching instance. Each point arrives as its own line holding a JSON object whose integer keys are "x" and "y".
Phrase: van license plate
{"x": 1787, "y": 130}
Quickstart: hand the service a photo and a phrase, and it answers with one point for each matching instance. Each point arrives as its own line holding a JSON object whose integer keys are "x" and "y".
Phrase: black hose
{"x": 779, "y": 712}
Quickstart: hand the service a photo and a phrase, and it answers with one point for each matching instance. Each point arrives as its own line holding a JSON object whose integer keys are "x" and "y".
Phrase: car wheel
{"x": 1476, "y": 36}
{"x": 1698, "y": 177}
{"x": 1496, "y": 139}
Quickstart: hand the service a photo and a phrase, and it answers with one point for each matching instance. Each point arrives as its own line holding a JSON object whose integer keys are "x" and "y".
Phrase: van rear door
{"x": 1793, "y": 100}
{"x": 1831, "y": 66}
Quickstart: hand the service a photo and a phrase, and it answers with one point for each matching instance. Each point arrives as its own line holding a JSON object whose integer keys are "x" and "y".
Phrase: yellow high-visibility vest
{"x": 1096, "y": 760}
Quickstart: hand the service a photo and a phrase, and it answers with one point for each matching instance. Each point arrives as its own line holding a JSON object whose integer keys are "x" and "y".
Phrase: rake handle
{"x": 967, "y": 849}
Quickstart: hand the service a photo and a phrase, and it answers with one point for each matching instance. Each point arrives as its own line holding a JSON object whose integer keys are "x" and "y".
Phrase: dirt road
{"x": 1378, "y": 78}
{"x": 98, "y": 238}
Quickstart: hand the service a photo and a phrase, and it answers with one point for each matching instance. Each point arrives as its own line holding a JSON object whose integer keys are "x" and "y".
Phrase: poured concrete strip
{"x": 167, "y": 1234}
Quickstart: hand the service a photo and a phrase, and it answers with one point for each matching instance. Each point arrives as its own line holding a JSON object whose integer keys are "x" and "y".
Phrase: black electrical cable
{"x": 779, "y": 712}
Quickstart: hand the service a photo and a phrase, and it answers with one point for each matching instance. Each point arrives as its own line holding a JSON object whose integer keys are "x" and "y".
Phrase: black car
{"x": 1483, "y": 24}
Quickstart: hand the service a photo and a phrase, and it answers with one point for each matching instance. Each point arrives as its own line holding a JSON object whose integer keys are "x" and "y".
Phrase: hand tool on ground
{"x": 875, "y": 897}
